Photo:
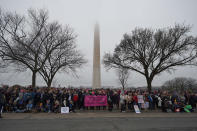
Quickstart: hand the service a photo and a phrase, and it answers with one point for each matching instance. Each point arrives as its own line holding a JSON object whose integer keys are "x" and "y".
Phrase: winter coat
{"x": 2, "y": 99}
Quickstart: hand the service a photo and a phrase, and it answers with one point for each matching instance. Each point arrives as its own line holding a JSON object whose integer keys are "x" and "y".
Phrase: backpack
{"x": 150, "y": 99}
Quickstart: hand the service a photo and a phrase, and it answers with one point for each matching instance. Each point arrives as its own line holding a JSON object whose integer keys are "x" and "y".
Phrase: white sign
{"x": 140, "y": 98}
{"x": 136, "y": 109}
{"x": 64, "y": 110}
{"x": 146, "y": 105}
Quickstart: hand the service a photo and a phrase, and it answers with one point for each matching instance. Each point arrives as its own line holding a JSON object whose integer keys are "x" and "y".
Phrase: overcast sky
{"x": 115, "y": 17}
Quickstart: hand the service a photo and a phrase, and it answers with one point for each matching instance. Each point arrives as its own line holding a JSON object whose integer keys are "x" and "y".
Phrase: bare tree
{"x": 150, "y": 52}
{"x": 27, "y": 42}
{"x": 63, "y": 59}
{"x": 123, "y": 75}
{"x": 195, "y": 47}
{"x": 180, "y": 84}
{"x": 2, "y": 65}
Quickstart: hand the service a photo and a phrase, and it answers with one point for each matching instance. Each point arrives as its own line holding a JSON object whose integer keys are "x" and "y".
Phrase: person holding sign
{"x": 140, "y": 100}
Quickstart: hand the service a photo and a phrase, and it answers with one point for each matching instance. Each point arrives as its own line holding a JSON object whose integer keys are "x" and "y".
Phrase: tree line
{"x": 180, "y": 84}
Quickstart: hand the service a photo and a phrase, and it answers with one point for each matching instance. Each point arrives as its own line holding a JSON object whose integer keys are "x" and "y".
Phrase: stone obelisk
{"x": 96, "y": 82}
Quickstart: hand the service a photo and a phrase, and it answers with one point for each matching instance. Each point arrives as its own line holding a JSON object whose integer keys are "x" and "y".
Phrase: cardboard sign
{"x": 136, "y": 109}
{"x": 140, "y": 98}
{"x": 64, "y": 110}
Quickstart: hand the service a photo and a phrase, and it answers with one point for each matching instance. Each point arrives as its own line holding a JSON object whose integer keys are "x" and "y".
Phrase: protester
{"x": 28, "y": 99}
{"x": 116, "y": 99}
{"x": 130, "y": 101}
{"x": 110, "y": 104}
{"x": 122, "y": 102}
{"x": 71, "y": 106}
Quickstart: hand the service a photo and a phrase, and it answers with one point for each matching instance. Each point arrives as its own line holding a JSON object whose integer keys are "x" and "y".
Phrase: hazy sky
{"x": 116, "y": 17}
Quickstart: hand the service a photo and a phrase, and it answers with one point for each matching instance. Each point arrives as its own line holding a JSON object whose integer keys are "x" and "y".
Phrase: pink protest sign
{"x": 95, "y": 101}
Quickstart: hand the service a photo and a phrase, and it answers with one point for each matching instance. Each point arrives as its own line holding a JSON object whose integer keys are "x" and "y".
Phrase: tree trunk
{"x": 33, "y": 79}
{"x": 49, "y": 83}
{"x": 123, "y": 88}
{"x": 149, "y": 84}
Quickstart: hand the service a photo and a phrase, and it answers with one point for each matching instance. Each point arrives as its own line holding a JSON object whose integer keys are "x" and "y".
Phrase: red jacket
{"x": 135, "y": 99}
{"x": 75, "y": 98}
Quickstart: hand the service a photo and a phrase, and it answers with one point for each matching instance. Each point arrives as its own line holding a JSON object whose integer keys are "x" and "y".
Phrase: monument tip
{"x": 97, "y": 24}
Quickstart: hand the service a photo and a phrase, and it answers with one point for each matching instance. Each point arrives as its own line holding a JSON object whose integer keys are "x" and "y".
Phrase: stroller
{"x": 166, "y": 105}
{"x": 178, "y": 107}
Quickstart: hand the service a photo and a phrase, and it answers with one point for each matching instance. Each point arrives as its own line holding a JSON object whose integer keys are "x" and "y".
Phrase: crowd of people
{"x": 27, "y": 99}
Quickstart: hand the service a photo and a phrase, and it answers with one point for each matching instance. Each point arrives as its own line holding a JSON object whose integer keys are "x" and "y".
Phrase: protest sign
{"x": 146, "y": 105}
{"x": 136, "y": 109}
{"x": 64, "y": 110}
{"x": 95, "y": 101}
{"x": 140, "y": 98}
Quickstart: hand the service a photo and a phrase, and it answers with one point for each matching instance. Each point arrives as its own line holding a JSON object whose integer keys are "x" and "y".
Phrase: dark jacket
{"x": 2, "y": 99}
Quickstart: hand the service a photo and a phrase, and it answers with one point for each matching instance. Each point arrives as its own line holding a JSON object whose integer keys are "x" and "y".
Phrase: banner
{"x": 95, "y": 101}
{"x": 64, "y": 110}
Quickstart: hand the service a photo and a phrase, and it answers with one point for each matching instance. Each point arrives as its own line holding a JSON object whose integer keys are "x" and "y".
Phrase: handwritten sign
{"x": 136, "y": 109}
{"x": 64, "y": 110}
{"x": 140, "y": 98}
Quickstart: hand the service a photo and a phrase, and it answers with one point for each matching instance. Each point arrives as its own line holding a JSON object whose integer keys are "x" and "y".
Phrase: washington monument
{"x": 96, "y": 82}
